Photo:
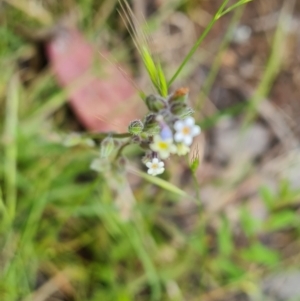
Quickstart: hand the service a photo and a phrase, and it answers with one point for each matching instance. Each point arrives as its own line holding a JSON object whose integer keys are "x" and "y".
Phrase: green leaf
{"x": 199, "y": 241}
{"x": 149, "y": 64}
{"x": 249, "y": 224}
{"x": 162, "y": 81}
{"x": 284, "y": 189}
{"x": 260, "y": 254}
{"x": 155, "y": 72}
{"x": 267, "y": 196}
{"x": 281, "y": 220}
{"x": 229, "y": 267}
{"x": 194, "y": 164}
{"x": 225, "y": 243}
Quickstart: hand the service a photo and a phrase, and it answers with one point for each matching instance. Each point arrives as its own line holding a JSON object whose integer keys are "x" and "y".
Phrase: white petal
{"x": 182, "y": 150}
{"x": 150, "y": 171}
{"x": 169, "y": 141}
{"x": 188, "y": 140}
{"x": 161, "y": 164}
{"x": 155, "y": 160}
{"x": 173, "y": 149}
{"x": 178, "y": 137}
{"x": 160, "y": 170}
{"x": 189, "y": 121}
{"x": 196, "y": 130}
{"x": 164, "y": 155}
{"x": 154, "y": 147}
{"x": 156, "y": 138}
{"x": 149, "y": 164}
{"x": 178, "y": 125}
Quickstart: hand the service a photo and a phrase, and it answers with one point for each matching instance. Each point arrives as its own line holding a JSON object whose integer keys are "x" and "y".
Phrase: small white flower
{"x": 155, "y": 167}
{"x": 163, "y": 147}
{"x": 182, "y": 149}
{"x": 186, "y": 130}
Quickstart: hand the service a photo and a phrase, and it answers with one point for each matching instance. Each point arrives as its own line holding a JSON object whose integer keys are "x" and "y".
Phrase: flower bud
{"x": 178, "y": 107}
{"x": 107, "y": 146}
{"x": 136, "y": 139}
{"x": 194, "y": 164}
{"x": 180, "y": 95}
{"x": 151, "y": 125}
{"x": 155, "y": 103}
{"x": 195, "y": 160}
{"x": 135, "y": 127}
{"x": 186, "y": 113}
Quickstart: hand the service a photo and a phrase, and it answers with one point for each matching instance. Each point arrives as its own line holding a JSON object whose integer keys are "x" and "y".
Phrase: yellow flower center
{"x": 154, "y": 165}
{"x": 163, "y": 145}
{"x": 186, "y": 130}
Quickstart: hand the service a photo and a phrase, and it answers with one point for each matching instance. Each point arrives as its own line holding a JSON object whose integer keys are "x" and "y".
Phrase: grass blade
{"x": 198, "y": 42}
{"x": 274, "y": 63}
{"x": 209, "y": 81}
{"x": 159, "y": 182}
{"x": 162, "y": 81}
{"x": 234, "y": 6}
{"x": 10, "y": 145}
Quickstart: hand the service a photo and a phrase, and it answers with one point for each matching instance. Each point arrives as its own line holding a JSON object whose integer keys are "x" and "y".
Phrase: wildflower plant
{"x": 162, "y": 132}
{"x": 175, "y": 133}
{"x": 167, "y": 129}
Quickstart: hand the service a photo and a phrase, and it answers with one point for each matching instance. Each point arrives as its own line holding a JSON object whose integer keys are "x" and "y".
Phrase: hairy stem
{"x": 104, "y": 135}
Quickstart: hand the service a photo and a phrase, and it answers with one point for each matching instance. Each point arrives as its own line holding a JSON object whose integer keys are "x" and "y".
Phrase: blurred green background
{"x": 229, "y": 231}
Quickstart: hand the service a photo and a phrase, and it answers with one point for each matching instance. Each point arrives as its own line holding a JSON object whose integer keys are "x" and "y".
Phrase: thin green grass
{"x": 233, "y": 7}
{"x": 159, "y": 182}
{"x": 154, "y": 70}
{"x": 221, "y": 12}
{"x": 10, "y": 150}
{"x": 209, "y": 81}
{"x": 65, "y": 219}
{"x": 273, "y": 65}
{"x": 198, "y": 42}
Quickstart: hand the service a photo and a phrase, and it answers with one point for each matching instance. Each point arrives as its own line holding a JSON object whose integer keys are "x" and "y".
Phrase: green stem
{"x": 232, "y": 7}
{"x": 197, "y": 188}
{"x": 199, "y": 41}
{"x": 217, "y": 62}
{"x": 195, "y": 180}
{"x": 275, "y": 61}
{"x": 104, "y": 135}
{"x": 119, "y": 153}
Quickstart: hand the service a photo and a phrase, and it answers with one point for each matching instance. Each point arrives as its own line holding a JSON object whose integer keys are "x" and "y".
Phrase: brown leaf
{"x": 101, "y": 103}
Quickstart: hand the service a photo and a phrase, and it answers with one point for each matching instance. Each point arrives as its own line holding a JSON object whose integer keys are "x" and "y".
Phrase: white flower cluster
{"x": 167, "y": 129}
{"x": 186, "y": 130}
{"x": 178, "y": 143}
{"x": 155, "y": 167}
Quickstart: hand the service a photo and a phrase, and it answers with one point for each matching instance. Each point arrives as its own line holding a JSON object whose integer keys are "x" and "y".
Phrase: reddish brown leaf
{"x": 101, "y": 103}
